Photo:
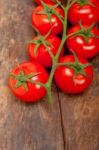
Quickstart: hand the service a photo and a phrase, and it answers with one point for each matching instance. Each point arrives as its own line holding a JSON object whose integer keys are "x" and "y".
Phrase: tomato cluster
{"x": 67, "y": 59}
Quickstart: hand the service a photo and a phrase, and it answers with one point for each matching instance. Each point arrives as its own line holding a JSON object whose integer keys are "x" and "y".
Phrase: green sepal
{"x": 85, "y": 2}
{"x": 42, "y": 40}
{"x": 22, "y": 79}
{"x": 49, "y": 11}
{"x": 85, "y": 33}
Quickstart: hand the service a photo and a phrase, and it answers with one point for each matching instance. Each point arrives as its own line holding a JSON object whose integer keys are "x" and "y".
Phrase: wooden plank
{"x": 23, "y": 127}
{"x": 39, "y": 126}
{"x": 80, "y": 116}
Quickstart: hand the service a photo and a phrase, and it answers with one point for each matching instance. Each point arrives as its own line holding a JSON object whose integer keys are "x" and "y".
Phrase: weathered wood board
{"x": 70, "y": 123}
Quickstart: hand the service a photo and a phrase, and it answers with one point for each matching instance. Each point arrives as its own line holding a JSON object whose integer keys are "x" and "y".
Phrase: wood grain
{"x": 80, "y": 116}
{"x": 70, "y": 123}
{"x": 22, "y": 126}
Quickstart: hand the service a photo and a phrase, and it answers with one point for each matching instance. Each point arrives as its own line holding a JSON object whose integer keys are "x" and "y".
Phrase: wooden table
{"x": 70, "y": 123}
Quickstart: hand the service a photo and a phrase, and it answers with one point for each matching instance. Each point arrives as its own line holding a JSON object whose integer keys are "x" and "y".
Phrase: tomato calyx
{"x": 76, "y": 66}
{"x": 85, "y": 33}
{"x": 79, "y": 68}
{"x": 42, "y": 40}
{"x": 49, "y": 11}
{"x": 85, "y": 2}
{"x": 22, "y": 79}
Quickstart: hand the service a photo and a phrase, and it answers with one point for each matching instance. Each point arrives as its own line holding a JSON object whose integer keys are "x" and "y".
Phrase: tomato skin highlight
{"x": 67, "y": 82}
{"x": 42, "y": 23}
{"x": 78, "y": 44}
{"x": 43, "y": 57}
{"x": 46, "y": 1}
{"x": 35, "y": 92}
{"x": 88, "y": 14}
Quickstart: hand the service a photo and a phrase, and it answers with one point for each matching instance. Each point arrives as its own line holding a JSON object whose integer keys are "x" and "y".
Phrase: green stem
{"x": 59, "y": 16}
{"x": 52, "y": 74}
{"x": 48, "y": 49}
{"x": 36, "y": 82}
{"x": 55, "y": 59}
{"x": 49, "y": 83}
{"x": 65, "y": 64}
{"x": 64, "y": 34}
{"x": 70, "y": 3}
{"x": 73, "y": 34}
{"x": 49, "y": 94}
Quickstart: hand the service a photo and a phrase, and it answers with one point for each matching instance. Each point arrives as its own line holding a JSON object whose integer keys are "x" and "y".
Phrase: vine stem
{"x": 48, "y": 84}
{"x": 55, "y": 58}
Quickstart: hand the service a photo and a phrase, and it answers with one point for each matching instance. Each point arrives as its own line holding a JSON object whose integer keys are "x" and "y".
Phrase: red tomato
{"x": 86, "y": 13}
{"x": 68, "y": 81}
{"x": 43, "y": 24}
{"x": 46, "y": 1}
{"x": 80, "y": 46}
{"x": 43, "y": 56}
{"x": 34, "y": 92}
{"x": 95, "y": 2}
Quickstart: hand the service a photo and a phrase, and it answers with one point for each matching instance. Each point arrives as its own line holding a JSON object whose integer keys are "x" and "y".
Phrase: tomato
{"x": 43, "y": 24}
{"x": 25, "y": 90}
{"x": 95, "y": 2}
{"x": 43, "y": 56}
{"x": 80, "y": 46}
{"x": 86, "y": 13}
{"x": 71, "y": 79}
{"x": 46, "y": 1}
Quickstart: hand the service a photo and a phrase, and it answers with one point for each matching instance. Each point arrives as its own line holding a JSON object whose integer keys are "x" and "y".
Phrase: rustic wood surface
{"x": 70, "y": 123}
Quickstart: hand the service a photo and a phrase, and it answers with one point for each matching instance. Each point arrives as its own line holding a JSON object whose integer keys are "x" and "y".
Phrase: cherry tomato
{"x": 43, "y": 56}
{"x": 43, "y": 24}
{"x": 46, "y": 1}
{"x": 70, "y": 79}
{"x": 80, "y": 46}
{"x": 95, "y": 2}
{"x": 86, "y": 13}
{"x": 24, "y": 89}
